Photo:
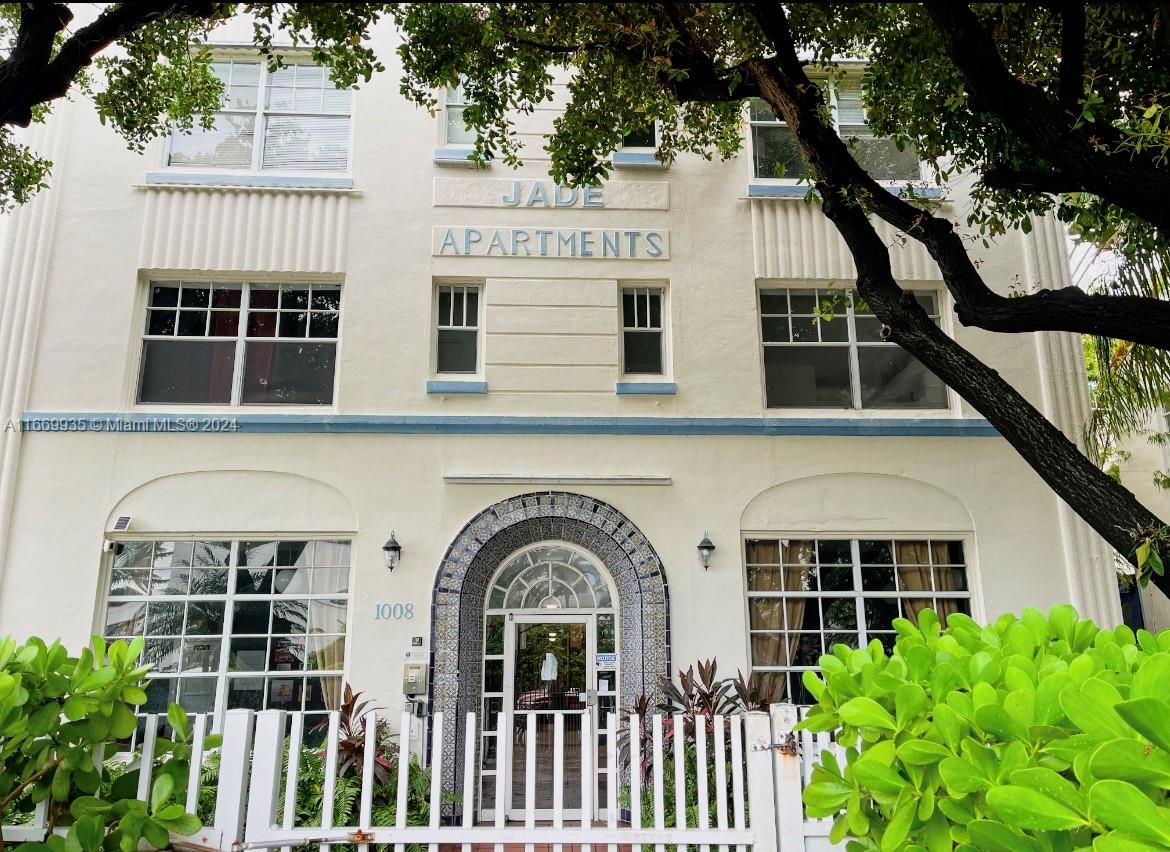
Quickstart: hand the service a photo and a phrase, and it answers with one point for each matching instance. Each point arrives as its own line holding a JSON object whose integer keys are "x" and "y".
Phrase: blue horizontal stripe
{"x": 648, "y": 388}
{"x": 456, "y": 387}
{"x": 41, "y": 421}
{"x": 279, "y": 181}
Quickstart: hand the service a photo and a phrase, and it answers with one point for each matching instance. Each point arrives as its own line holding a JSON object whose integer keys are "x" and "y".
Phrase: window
{"x": 842, "y": 362}
{"x": 807, "y": 595}
{"x": 455, "y": 129}
{"x": 227, "y": 344}
{"x": 641, "y": 330}
{"x": 291, "y": 119}
{"x": 252, "y": 624}
{"x": 643, "y": 137}
{"x": 775, "y": 153}
{"x": 457, "y": 344}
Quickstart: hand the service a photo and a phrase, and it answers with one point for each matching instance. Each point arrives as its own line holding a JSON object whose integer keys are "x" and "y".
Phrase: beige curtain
{"x": 913, "y": 561}
{"x": 330, "y": 654}
{"x": 944, "y": 581}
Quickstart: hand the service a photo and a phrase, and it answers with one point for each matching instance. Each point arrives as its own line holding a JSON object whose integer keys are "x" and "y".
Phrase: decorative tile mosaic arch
{"x": 457, "y": 605}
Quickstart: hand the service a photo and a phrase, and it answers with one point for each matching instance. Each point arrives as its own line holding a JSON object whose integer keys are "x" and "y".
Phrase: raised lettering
{"x": 654, "y": 244}
{"x": 586, "y": 244}
{"x": 567, "y": 240}
{"x": 469, "y": 240}
{"x": 561, "y": 199}
{"x": 537, "y": 194}
{"x": 514, "y": 199}
{"x": 611, "y": 244}
{"x": 497, "y": 243}
{"x": 518, "y": 237}
{"x": 591, "y": 197}
{"x": 448, "y": 241}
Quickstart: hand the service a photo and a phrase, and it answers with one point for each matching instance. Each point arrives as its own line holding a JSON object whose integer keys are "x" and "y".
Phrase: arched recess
{"x": 456, "y": 675}
{"x": 855, "y": 502}
{"x": 235, "y": 500}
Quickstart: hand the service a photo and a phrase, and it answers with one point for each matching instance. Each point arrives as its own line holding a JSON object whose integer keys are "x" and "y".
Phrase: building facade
{"x": 238, "y": 363}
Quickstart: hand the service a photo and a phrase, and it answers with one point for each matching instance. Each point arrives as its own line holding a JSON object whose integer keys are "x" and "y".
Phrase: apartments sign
{"x": 601, "y": 243}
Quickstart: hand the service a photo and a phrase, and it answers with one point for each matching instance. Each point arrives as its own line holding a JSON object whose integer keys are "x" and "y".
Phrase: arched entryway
{"x": 461, "y": 597}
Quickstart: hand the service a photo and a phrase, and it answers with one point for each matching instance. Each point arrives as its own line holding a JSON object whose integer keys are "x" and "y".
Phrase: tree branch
{"x": 1107, "y": 506}
{"x": 1131, "y": 180}
{"x": 1072, "y": 55}
{"x": 1053, "y": 182}
{"x": 36, "y": 79}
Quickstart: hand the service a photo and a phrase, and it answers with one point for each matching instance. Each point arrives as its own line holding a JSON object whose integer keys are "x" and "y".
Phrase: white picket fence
{"x": 757, "y": 764}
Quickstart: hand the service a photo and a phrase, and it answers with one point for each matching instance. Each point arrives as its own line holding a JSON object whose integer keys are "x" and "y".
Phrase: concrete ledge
{"x": 166, "y": 178}
{"x": 636, "y": 160}
{"x": 646, "y": 388}
{"x": 460, "y": 157}
{"x": 456, "y": 387}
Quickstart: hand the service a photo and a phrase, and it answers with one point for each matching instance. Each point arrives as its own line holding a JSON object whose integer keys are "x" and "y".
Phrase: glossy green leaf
{"x": 1121, "y": 805}
{"x": 1028, "y": 809}
{"x": 1131, "y": 760}
{"x": 864, "y": 712}
{"x": 922, "y": 752}
{"x": 1150, "y": 717}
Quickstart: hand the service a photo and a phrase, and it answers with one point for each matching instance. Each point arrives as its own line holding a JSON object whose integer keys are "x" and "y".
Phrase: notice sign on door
{"x": 606, "y": 662}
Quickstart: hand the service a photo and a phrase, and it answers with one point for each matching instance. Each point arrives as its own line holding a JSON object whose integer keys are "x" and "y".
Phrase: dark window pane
{"x": 164, "y": 619}
{"x": 187, "y": 371}
{"x": 643, "y": 137}
{"x": 245, "y": 692}
{"x": 289, "y": 373}
{"x": 839, "y": 613}
{"x": 773, "y": 302}
{"x": 950, "y": 579}
{"x": 834, "y": 552}
{"x": 162, "y": 654}
{"x": 258, "y": 553}
{"x": 162, "y": 295}
{"x": 253, "y": 581}
{"x": 195, "y": 297}
{"x": 261, "y": 324}
{"x": 494, "y": 640}
{"x": 209, "y": 581}
{"x": 802, "y": 301}
{"x": 880, "y": 613}
{"x": 204, "y": 618}
{"x": 224, "y": 324}
{"x": 457, "y": 351}
{"x": 835, "y": 330}
{"x": 445, "y": 306}
{"x": 776, "y": 330}
{"x": 808, "y": 650}
{"x": 323, "y": 325}
{"x": 192, "y": 323}
{"x": 294, "y": 299}
{"x": 643, "y": 351}
{"x": 836, "y": 578}
{"x": 293, "y": 323}
{"x": 869, "y": 329}
{"x": 472, "y": 306}
{"x": 493, "y": 676}
{"x": 875, "y": 552}
{"x": 250, "y": 617}
{"x": 294, "y": 553}
{"x": 807, "y": 377}
{"x": 248, "y": 655}
{"x": 286, "y": 654}
{"x": 160, "y": 322}
{"x": 882, "y": 159}
{"x": 878, "y": 578}
{"x": 290, "y": 617}
{"x": 200, "y": 654}
{"x": 776, "y": 153}
{"x": 655, "y": 309}
{"x": 225, "y": 297}
{"x": 325, "y": 299}
{"x": 133, "y": 554}
{"x": 284, "y": 693}
{"x": 947, "y": 552}
{"x": 264, "y": 298}
{"x": 892, "y": 378}
{"x": 197, "y": 694}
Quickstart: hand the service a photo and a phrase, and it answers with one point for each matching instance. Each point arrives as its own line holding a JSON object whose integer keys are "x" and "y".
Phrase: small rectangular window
{"x": 300, "y": 124}
{"x": 455, "y": 129}
{"x": 775, "y": 154}
{"x": 641, "y": 330}
{"x": 643, "y": 137}
{"x": 457, "y": 344}
{"x": 220, "y": 344}
{"x": 824, "y": 349}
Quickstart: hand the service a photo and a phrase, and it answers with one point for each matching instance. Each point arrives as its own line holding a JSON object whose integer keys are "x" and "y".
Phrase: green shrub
{"x": 1034, "y": 733}
{"x": 56, "y": 713}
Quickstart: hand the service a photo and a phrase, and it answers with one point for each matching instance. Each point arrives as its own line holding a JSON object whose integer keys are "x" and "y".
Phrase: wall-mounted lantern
{"x": 706, "y": 548}
{"x": 392, "y": 551}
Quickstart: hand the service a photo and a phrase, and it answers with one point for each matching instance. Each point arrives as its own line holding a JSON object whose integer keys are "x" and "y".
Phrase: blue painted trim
{"x": 443, "y": 386}
{"x": 278, "y": 181}
{"x": 636, "y": 159}
{"x": 648, "y": 388}
{"x": 942, "y": 427}
{"x": 800, "y": 190}
{"x": 454, "y": 157}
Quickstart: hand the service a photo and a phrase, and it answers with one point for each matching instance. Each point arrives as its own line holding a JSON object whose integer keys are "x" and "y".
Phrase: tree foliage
{"x": 1037, "y": 733}
{"x": 57, "y": 715}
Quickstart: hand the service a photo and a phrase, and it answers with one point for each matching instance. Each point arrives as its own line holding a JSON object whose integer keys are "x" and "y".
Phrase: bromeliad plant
{"x": 1036, "y": 733}
{"x": 57, "y": 713}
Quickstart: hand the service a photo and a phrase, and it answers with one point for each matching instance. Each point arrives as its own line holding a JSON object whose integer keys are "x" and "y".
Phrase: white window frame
{"x": 241, "y": 340}
{"x": 260, "y": 128}
{"x": 829, "y": 87}
{"x": 663, "y": 330}
{"x": 973, "y": 593}
{"x": 444, "y": 105}
{"x": 437, "y": 326}
{"x": 222, "y": 675}
{"x": 847, "y": 316}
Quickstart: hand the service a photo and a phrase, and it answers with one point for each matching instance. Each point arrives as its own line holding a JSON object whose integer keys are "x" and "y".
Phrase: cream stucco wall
{"x": 74, "y": 306}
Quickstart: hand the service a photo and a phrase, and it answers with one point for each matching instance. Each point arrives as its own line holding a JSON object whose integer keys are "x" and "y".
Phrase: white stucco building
{"x": 242, "y": 359}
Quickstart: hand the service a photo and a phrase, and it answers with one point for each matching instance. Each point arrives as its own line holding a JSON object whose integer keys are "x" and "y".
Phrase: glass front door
{"x": 551, "y": 673}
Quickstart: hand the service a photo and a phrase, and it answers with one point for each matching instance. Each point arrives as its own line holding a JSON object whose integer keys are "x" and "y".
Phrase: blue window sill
{"x": 646, "y": 388}
{"x": 442, "y": 386}
{"x": 277, "y": 181}
{"x": 800, "y": 190}
{"x": 636, "y": 160}
{"x": 454, "y": 157}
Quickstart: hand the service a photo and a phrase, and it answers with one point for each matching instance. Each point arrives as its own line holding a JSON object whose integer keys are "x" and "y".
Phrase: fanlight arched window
{"x": 549, "y": 576}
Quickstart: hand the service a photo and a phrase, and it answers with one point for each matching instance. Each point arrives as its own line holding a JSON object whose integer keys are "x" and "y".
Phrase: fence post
{"x": 789, "y": 805}
{"x": 760, "y": 782}
{"x": 234, "y": 760}
{"x": 267, "y": 754}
